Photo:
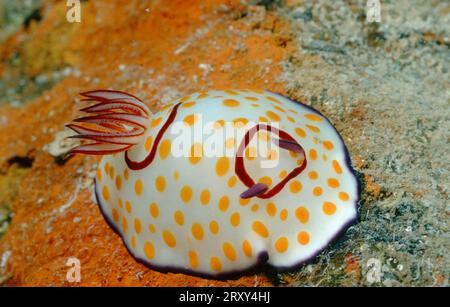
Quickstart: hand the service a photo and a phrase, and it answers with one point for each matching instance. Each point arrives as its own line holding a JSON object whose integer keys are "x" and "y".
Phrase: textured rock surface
{"x": 385, "y": 87}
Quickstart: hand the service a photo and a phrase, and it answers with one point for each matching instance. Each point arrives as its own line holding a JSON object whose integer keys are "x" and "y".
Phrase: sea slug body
{"x": 276, "y": 192}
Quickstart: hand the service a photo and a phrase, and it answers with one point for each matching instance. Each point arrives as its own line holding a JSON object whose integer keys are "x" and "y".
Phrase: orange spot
{"x": 273, "y": 99}
{"x": 201, "y": 96}
{"x": 230, "y": 143}
{"x": 205, "y": 196}
{"x": 197, "y": 231}
{"x": 196, "y": 153}
{"x": 124, "y": 225}
{"x": 151, "y": 228}
{"x": 176, "y": 175}
{"x": 164, "y": 149}
{"x": 263, "y": 119}
{"x": 179, "y": 217}
{"x": 328, "y": 145}
{"x": 302, "y": 215}
{"x": 214, "y": 227}
{"x": 219, "y": 124}
{"x": 120, "y": 203}
{"x": 313, "y": 154}
{"x": 105, "y": 192}
{"x": 229, "y": 252}
{"x": 282, "y": 244}
{"x": 271, "y": 209}
{"x": 148, "y": 143}
{"x": 184, "y": 99}
{"x": 313, "y": 128}
{"x": 240, "y": 122}
{"x": 115, "y": 215}
{"x": 329, "y": 208}
{"x": 128, "y": 206}
{"x": 160, "y": 184}
{"x": 303, "y": 237}
{"x": 149, "y": 250}
{"x": 235, "y": 219}
{"x": 295, "y": 186}
{"x": 317, "y": 191}
{"x": 138, "y": 187}
{"x": 154, "y": 210}
{"x": 133, "y": 242}
{"x": 188, "y": 104}
{"x": 255, "y": 208}
{"x": 284, "y": 215}
{"x": 273, "y": 116}
{"x": 251, "y": 98}
{"x": 232, "y": 181}
{"x": 118, "y": 182}
{"x": 263, "y": 136}
{"x": 244, "y": 201}
{"x": 156, "y": 122}
{"x": 337, "y": 167}
{"x": 247, "y": 248}
{"x": 313, "y": 175}
{"x": 193, "y": 259}
{"x": 107, "y": 168}
{"x": 232, "y": 93}
{"x": 300, "y": 132}
{"x": 190, "y": 119}
{"x": 260, "y": 229}
{"x": 186, "y": 193}
{"x": 169, "y": 239}
{"x": 283, "y": 174}
{"x": 137, "y": 226}
{"x": 250, "y": 153}
{"x": 291, "y": 119}
{"x": 231, "y": 103}
{"x": 222, "y": 166}
{"x": 99, "y": 174}
{"x": 313, "y": 117}
{"x": 224, "y": 203}
{"x": 333, "y": 183}
{"x": 266, "y": 180}
{"x": 125, "y": 174}
{"x": 343, "y": 196}
{"x": 216, "y": 265}
{"x": 280, "y": 109}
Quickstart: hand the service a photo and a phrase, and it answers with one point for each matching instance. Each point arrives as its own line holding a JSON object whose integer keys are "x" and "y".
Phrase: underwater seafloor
{"x": 385, "y": 86}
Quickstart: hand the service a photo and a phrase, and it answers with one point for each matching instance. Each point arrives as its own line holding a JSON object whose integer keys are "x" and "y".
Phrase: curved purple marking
{"x": 254, "y": 190}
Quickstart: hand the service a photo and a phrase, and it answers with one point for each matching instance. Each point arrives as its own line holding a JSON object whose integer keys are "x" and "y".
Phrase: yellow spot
{"x": 224, "y": 203}
{"x": 105, "y": 192}
{"x": 148, "y": 143}
{"x": 255, "y": 105}
{"x": 250, "y": 152}
{"x": 302, "y": 215}
{"x": 280, "y": 109}
{"x": 128, "y": 206}
{"x": 176, "y": 175}
{"x": 115, "y": 215}
{"x": 169, "y": 239}
{"x": 186, "y": 193}
{"x": 263, "y": 119}
{"x": 260, "y": 229}
{"x": 205, "y": 196}
{"x": 155, "y": 122}
{"x": 232, "y": 93}
{"x": 313, "y": 117}
{"x": 255, "y": 208}
{"x": 303, "y": 237}
{"x": 164, "y": 149}
{"x": 193, "y": 259}
{"x": 271, "y": 209}
{"x": 313, "y": 128}
{"x": 231, "y": 103}
{"x": 107, "y": 168}
{"x": 151, "y": 228}
{"x": 230, "y": 143}
{"x": 337, "y": 167}
{"x": 125, "y": 174}
{"x": 295, "y": 186}
{"x": 251, "y": 98}
{"x": 324, "y": 157}
{"x": 138, "y": 187}
{"x": 197, "y": 231}
{"x": 111, "y": 172}
{"x": 313, "y": 154}
{"x": 235, "y": 219}
{"x": 137, "y": 226}
{"x": 229, "y": 252}
{"x": 216, "y": 265}
{"x": 133, "y": 242}
{"x": 273, "y": 99}
{"x": 149, "y": 250}
{"x": 333, "y": 183}
{"x": 184, "y": 99}
{"x": 214, "y": 227}
{"x": 120, "y": 203}
{"x": 343, "y": 196}
{"x": 154, "y": 210}
{"x": 328, "y": 145}
{"x": 313, "y": 175}
{"x": 188, "y": 104}
{"x": 266, "y": 180}
{"x": 273, "y": 116}
{"x": 232, "y": 181}
{"x": 203, "y": 95}
{"x": 124, "y": 225}
{"x": 282, "y": 244}
{"x": 329, "y": 208}
{"x": 244, "y": 201}
{"x": 118, "y": 182}
{"x": 240, "y": 122}
{"x": 317, "y": 191}
{"x": 179, "y": 217}
{"x": 160, "y": 183}
{"x": 99, "y": 174}
{"x": 283, "y": 215}
{"x": 291, "y": 119}
{"x": 190, "y": 119}
{"x": 222, "y": 166}
{"x": 300, "y": 132}
{"x": 283, "y": 174}
{"x": 247, "y": 248}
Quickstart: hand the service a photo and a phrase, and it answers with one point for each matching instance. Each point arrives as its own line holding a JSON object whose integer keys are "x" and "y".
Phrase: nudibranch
{"x": 219, "y": 182}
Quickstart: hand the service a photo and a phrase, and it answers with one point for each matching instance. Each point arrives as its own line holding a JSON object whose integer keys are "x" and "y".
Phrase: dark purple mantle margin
{"x": 261, "y": 265}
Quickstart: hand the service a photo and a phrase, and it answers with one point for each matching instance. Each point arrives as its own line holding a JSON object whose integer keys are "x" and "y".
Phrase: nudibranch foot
{"x": 273, "y": 192}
